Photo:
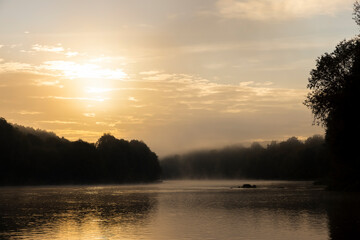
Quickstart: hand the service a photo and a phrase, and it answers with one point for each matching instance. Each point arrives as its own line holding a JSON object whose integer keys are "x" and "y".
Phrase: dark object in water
{"x": 245, "y": 186}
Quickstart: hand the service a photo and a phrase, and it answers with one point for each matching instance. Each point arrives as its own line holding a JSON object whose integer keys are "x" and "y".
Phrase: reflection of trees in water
{"x": 40, "y": 210}
{"x": 342, "y": 210}
{"x": 344, "y": 216}
{"x": 288, "y": 209}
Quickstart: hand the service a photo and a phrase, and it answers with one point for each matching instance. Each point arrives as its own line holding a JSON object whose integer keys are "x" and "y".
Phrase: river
{"x": 174, "y": 210}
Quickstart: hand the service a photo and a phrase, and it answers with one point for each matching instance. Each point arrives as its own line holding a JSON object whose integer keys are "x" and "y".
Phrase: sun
{"x": 88, "y": 77}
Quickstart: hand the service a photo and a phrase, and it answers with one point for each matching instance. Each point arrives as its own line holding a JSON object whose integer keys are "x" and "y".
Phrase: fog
{"x": 290, "y": 159}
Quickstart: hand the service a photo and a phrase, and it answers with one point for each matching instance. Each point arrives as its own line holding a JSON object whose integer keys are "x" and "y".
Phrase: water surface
{"x": 179, "y": 210}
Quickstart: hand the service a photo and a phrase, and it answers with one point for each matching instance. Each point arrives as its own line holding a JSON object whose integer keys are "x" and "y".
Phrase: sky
{"x": 178, "y": 74}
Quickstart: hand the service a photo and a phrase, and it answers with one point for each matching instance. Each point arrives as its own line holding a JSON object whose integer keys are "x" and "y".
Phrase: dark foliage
{"x": 291, "y": 159}
{"x": 29, "y": 156}
{"x": 334, "y": 101}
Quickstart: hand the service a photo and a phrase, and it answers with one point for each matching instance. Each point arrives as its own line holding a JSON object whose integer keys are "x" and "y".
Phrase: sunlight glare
{"x": 72, "y": 70}
{"x": 87, "y": 81}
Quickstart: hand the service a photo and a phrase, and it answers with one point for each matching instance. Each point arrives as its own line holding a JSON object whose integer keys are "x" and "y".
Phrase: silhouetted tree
{"x": 334, "y": 85}
{"x": 29, "y": 156}
{"x": 357, "y": 12}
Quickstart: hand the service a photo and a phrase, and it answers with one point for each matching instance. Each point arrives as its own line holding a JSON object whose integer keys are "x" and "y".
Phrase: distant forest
{"x": 292, "y": 159}
{"x": 29, "y": 156}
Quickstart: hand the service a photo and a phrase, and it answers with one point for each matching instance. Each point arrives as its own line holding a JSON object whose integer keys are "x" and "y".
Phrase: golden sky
{"x": 177, "y": 74}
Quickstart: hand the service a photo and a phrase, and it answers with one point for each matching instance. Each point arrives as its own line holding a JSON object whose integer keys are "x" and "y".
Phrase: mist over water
{"x": 179, "y": 210}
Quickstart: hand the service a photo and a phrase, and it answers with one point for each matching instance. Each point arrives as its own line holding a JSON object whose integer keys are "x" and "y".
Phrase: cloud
{"x": 263, "y": 10}
{"x": 71, "y": 54}
{"x": 183, "y": 93}
{"x": 15, "y": 67}
{"x": 54, "y": 83}
{"x": 57, "y": 49}
{"x": 91, "y": 115}
{"x": 73, "y": 70}
{"x": 65, "y": 69}
{"x": 133, "y": 99}
{"x": 96, "y": 99}
{"x": 25, "y": 112}
{"x": 47, "y": 48}
{"x": 152, "y": 72}
{"x": 158, "y": 77}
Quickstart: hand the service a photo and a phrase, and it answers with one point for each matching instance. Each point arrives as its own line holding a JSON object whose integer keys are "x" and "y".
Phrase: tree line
{"x": 29, "y": 156}
{"x": 291, "y": 159}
